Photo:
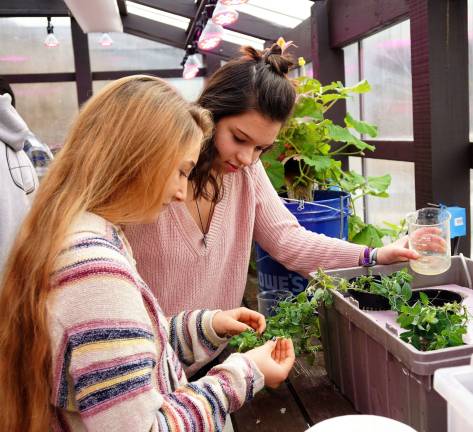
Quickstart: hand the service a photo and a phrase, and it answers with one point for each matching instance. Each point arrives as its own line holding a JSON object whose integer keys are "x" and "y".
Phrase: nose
{"x": 245, "y": 156}
{"x": 181, "y": 193}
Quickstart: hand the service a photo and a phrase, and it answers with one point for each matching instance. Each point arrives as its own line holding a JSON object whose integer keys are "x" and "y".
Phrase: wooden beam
{"x": 40, "y": 78}
{"x": 169, "y": 35}
{"x": 247, "y": 24}
{"x": 184, "y": 8}
{"x": 402, "y": 151}
{"x": 33, "y": 8}
{"x": 161, "y": 73}
{"x": 80, "y": 44}
{"x": 122, "y": 7}
{"x": 154, "y": 30}
{"x": 439, "y": 52}
{"x": 328, "y": 63}
{"x": 351, "y": 20}
{"x": 257, "y": 27}
{"x": 212, "y": 63}
{"x": 302, "y": 37}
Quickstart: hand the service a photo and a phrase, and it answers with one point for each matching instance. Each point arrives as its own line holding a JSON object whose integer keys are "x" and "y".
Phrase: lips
{"x": 231, "y": 167}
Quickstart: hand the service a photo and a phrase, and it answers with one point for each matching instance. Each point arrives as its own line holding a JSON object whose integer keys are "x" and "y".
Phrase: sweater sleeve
{"x": 193, "y": 338}
{"x": 110, "y": 362}
{"x": 278, "y": 233}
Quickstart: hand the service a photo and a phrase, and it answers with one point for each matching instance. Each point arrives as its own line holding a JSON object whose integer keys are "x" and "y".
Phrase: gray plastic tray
{"x": 378, "y": 372}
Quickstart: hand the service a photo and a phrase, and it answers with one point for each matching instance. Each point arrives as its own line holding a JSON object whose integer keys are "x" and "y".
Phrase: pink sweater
{"x": 185, "y": 275}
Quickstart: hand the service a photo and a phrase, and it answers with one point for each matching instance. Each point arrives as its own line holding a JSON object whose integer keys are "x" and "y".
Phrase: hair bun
{"x": 251, "y": 53}
{"x": 273, "y": 57}
{"x": 276, "y": 60}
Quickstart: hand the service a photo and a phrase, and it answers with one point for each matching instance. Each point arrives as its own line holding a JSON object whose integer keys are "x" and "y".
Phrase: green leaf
{"x": 341, "y": 134}
{"x": 362, "y": 127}
{"x": 368, "y": 236}
{"x": 361, "y": 87}
{"x": 308, "y": 107}
{"x": 379, "y": 184}
{"x": 424, "y": 298}
{"x": 275, "y": 171}
{"x": 318, "y": 162}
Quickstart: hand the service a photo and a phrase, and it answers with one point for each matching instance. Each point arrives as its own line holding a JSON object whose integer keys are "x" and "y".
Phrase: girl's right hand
{"x": 274, "y": 359}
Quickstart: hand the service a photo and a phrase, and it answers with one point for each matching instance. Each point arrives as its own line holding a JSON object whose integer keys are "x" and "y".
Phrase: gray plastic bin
{"x": 378, "y": 372}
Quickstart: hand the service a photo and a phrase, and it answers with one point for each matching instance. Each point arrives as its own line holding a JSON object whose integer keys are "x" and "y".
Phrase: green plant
{"x": 307, "y": 152}
{"x": 396, "y": 287}
{"x": 295, "y": 318}
{"x": 428, "y": 327}
{"x": 433, "y": 327}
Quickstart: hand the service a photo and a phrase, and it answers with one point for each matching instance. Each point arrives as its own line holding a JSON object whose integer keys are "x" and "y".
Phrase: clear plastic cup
{"x": 429, "y": 236}
{"x": 268, "y": 300}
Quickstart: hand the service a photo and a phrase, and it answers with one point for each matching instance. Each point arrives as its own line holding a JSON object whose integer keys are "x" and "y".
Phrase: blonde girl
{"x": 83, "y": 343}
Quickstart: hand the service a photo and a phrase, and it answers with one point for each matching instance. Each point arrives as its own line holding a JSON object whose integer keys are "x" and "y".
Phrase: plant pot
{"x": 367, "y": 300}
{"x": 436, "y": 297}
{"x": 327, "y": 214}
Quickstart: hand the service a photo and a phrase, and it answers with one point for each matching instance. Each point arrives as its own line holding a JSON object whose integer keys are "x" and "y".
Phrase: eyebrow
{"x": 251, "y": 139}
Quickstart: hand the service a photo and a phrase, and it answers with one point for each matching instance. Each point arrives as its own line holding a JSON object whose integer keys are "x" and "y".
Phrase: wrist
{"x": 368, "y": 257}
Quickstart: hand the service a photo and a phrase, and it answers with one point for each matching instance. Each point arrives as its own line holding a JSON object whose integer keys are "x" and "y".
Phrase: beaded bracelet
{"x": 369, "y": 257}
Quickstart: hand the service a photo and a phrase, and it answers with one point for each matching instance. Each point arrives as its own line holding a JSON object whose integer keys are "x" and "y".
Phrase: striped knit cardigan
{"x": 117, "y": 359}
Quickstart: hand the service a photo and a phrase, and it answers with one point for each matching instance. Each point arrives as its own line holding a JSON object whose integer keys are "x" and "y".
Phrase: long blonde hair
{"x": 121, "y": 150}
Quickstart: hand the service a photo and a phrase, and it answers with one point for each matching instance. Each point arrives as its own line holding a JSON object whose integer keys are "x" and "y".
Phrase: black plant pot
{"x": 369, "y": 301}
{"x": 436, "y": 297}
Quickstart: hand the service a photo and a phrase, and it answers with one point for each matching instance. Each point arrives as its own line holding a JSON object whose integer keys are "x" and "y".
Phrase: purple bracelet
{"x": 369, "y": 257}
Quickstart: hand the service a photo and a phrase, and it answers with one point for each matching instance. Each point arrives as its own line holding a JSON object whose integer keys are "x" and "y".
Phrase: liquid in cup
{"x": 429, "y": 236}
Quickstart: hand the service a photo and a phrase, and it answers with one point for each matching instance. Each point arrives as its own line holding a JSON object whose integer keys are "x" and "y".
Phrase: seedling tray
{"x": 378, "y": 372}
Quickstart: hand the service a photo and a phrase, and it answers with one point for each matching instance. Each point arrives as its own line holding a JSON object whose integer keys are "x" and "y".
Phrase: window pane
{"x": 48, "y": 109}
{"x": 355, "y": 164}
{"x": 22, "y": 48}
{"x": 352, "y": 76}
{"x": 386, "y": 64}
{"x": 189, "y": 89}
{"x": 130, "y": 52}
{"x": 401, "y": 192}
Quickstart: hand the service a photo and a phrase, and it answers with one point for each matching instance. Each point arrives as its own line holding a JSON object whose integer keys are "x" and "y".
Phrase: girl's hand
{"x": 236, "y": 321}
{"x": 395, "y": 252}
{"x": 274, "y": 359}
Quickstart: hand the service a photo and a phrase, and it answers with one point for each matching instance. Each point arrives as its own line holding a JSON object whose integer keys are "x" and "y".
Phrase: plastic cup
{"x": 429, "y": 236}
{"x": 268, "y": 300}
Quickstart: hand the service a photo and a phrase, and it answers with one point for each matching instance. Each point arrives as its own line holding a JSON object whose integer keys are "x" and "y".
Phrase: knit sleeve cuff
{"x": 207, "y": 321}
{"x": 253, "y": 375}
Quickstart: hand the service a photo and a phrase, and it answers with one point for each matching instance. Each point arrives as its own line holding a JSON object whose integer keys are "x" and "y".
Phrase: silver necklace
{"x": 206, "y": 230}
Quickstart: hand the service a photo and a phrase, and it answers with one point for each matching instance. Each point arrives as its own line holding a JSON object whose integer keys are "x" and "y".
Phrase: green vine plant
{"x": 428, "y": 327}
{"x": 433, "y": 327}
{"x": 296, "y": 318}
{"x": 306, "y": 154}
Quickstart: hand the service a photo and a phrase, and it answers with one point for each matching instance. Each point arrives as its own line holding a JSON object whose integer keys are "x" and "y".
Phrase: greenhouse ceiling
{"x": 173, "y": 22}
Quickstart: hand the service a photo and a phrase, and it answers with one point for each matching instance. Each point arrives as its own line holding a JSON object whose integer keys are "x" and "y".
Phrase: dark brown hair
{"x": 255, "y": 81}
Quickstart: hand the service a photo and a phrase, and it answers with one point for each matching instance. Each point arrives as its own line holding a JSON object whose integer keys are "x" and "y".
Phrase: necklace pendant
{"x": 204, "y": 239}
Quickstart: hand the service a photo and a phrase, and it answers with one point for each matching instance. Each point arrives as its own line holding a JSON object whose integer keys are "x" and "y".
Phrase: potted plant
{"x": 304, "y": 166}
{"x": 307, "y": 151}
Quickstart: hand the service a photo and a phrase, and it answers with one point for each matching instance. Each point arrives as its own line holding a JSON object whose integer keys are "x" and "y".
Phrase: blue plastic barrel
{"x": 327, "y": 214}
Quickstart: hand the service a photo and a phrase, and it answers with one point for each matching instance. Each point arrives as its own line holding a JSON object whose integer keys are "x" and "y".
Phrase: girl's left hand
{"x": 236, "y": 321}
{"x": 395, "y": 252}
